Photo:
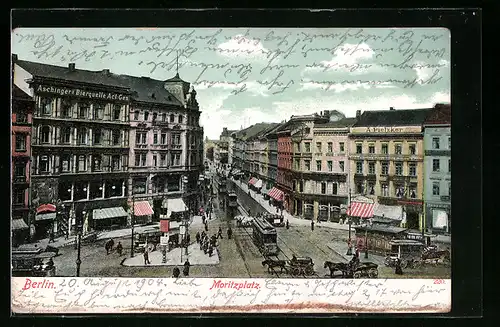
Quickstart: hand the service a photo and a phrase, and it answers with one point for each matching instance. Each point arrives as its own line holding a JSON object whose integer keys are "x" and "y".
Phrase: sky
{"x": 247, "y": 76}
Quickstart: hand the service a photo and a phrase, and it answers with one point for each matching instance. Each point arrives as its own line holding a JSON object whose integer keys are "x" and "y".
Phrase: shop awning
{"x": 45, "y": 216}
{"x": 361, "y": 210}
{"x": 19, "y": 224}
{"x": 108, "y": 213}
{"x": 258, "y": 183}
{"x": 142, "y": 208}
{"x": 252, "y": 181}
{"x": 264, "y": 189}
{"x": 390, "y": 212}
{"x": 46, "y": 208}
{"x": 276, "y": 194}
{"x": 175, "y": 205}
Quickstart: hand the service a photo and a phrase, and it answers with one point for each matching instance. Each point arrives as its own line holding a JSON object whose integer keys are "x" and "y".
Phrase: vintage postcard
{"x": 203, "y": 170}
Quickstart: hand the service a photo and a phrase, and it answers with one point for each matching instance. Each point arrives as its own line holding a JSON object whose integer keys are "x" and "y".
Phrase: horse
{"x": 109, "y": 246}
{"x": 271, "y": 264}
{"x": 334, "y": 266}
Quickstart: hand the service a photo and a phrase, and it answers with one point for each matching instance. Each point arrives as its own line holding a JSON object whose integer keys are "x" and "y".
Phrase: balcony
{"x": 160, "y": 123}
{"x": 141, "y": 146}
{"x": 386, "y": 157}
{"x": 445, "y": 198}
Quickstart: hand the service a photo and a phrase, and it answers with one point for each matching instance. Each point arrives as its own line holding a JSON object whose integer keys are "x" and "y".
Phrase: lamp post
{"x": 349, "y": 242}
{"x": 185, "y": 216}
{"x": 79, "y": 242}
{"x": 132, "y": 218}
{"x": 366, "y": 242}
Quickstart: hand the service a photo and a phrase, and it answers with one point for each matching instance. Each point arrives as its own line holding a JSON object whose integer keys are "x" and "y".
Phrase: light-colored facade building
{"x": 386, "y": 154}
{"x": 437, "y": 167}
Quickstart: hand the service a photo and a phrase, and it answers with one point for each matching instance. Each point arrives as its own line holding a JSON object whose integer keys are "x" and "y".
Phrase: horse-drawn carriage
{"x": 359, "y": 270}
{"x": 413, "y": 254}
{"x": 303, "y": 266}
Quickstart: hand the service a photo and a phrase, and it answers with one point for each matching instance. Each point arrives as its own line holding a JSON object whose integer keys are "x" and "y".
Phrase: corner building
{"x": 386, "y": 160}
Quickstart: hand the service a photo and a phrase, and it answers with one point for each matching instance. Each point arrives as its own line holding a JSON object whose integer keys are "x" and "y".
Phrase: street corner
{"x": 176, "y": 257}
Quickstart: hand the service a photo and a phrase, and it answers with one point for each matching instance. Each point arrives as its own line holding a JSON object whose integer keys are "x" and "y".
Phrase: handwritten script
{"x": 232, "y": 295}
{"x": 271, "y": 61}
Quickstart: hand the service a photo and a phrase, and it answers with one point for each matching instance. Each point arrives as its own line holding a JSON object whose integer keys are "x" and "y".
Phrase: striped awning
{"x": 142, "y": 208}
{"x": 360, "y": 209}
{"x": 276, "y": 194}
{"x": 258, "y": 183}
{"x": 108, "y": 213}
{"x": 18, "y": 224}
{"x": 45, "y": 216}
{"x": 252, "y": 181}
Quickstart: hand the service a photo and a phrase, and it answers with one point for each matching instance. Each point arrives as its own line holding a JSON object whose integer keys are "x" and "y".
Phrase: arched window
{"x": 66, "y": 135}
{"x": 82, "y": 135}
{"x": 45, "y": 133}
{"x": 181, "y": 118}
{"x": 172, "y": 118}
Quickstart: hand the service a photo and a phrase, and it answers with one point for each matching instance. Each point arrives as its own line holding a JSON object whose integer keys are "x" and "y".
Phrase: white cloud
{"x": 338, "y": 88}
{"x": 213, "y": 115}
{"x": 252, "y": 87}
{"x": 239, "y": 47}
{"x": 440, "y": 97}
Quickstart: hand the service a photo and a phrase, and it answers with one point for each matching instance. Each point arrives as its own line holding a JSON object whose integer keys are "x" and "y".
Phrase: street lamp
{"x": 79, "y": 242}
{"x": 132, "y": 219}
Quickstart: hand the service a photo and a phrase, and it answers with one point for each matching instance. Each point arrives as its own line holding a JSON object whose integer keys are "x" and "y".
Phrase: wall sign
{"x": 386, "y": 130}
{"x": 82, "y": 93}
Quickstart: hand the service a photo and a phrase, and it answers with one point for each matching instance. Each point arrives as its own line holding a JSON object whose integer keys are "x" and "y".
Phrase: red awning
{"x": 46, "y": 208}
{"x": 276, "y": 194}
{"x": 360, "y": 209}
{"x": 252, "y": 181}
{"x": 142, "y": 208}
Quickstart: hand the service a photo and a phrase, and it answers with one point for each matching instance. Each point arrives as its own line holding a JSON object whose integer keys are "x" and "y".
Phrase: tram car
{"x": 274, "y": 219}
{"x": 233, "y": 200}
{"x": 265, "y": 237}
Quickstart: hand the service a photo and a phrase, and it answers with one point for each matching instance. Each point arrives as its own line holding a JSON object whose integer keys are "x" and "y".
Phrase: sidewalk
{"x": 175, "y": 258}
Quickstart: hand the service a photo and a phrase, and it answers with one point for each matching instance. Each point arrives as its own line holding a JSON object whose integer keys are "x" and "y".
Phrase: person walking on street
{"x": 219, "y": 233}
{"x": 51, "y": 236}
{"x": 287, "y": 224}
{"x": 146, "y": 258}
{"x": 398, "y": 270}
{"x": 119, "y": 248}
{"x": 210, "y": 250}
{"x": 312, "y": 224}
{"x": 188, "y": 239}
{"x": 206, "y": 226}
{"x": 229, "y": 233}
{"x": 176, "y": 273}
{"x": 185, "y": 271}
{"x": 198, "y": 237}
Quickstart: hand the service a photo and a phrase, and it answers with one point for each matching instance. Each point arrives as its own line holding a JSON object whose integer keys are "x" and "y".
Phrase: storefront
{"x": 378, "y": 237}
{"x": 45, "y": 221}
{"x": 143, "y": 212}
{"x": 438, "y": 218}
{"x": 388, "y": 215}
{"x": 20, "y": 232}
{"x": 109, "y": 218}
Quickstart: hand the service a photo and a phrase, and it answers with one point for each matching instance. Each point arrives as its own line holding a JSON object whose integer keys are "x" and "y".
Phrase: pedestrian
{"x": 188, "y": 239}
{"x": 287, "y": 224}
{"x": 198, "y": 239}
{"x": 176, "y": 273}
{"x": 206, "y": 227}
{"x": 185, "y": 271}
{"x": 67, "y": 233}
{"x": 312, "y": 224}
{"x": 219, "y": 233}
{"x": 119, "y": 248}
{"x": 398, "y": 270}
{"x": 210, "y": 250}
{"x": 146, "y": 258}
{"x": 229, "y": 233}
{"x": 51, "y": 236}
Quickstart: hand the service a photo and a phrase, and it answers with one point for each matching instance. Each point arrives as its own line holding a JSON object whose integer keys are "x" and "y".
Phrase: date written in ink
{"x": 29, "y": 284}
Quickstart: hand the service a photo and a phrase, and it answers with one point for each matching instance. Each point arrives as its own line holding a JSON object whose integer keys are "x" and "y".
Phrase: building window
{"x": 359, "y": 188}
{"x": 45, "y": 134}
{"x": 117, "y": 110}
{"x": 19, "y": 196}
{"x": 82, "y": 136}
{"x": 329, "y": 163}
{"x": 155, "y": 138}
{"x": 330, "y": 147}
{"x": 99, "y": 111}
{"x": 435, "y": 165}
{"x": 359, "y": 167}
{"x": 385, "y": 149}
{"x": 359, "y": 148}
{"x": 297, "y": 164}
{"x": 176, "y": 159}
{"x": 65, "y": 163}
{"x": 140, "y": 138}
{"x": 139, "y": 186}
{"x": 371, "y": 168}
{"x": 435, "y": 143}
{"x": 21, "y": 117}
{"x": 172, "y": 118}
{"x": 163, "y": 117}
{"x": 301, "y": 186}
{"x": 155, "y": 162}
{"x": 435, "y": 188}
{"x": 97, "y": 136}
{"x": 140, "y": 159}
{"x": 385, "y": 168}
{"x": 163, "y": 138}
{"x": 146, "y": 115}
{"x": 176, "y": 139}
{"x": 82, "y": 163}
{"x": 155, "y": 116}
{"x": 398, "y": 148}
{"x": 323, "y": 188}
{"x": 449, "y": 189}
{"x": 20, "y": 142}
{"x": 413, "y": 191}
{"x": 318, "y": 165}
{"x": 412, "y": 167}
{"x": 66, "y": 135}
{"x": 308, "y": 147}
{"x": 163, "y": 160}
{"x": 136, "y": 115}
{"x": 97, "y": 163}
{"x": 181, "y": 119}
{"x": 371, "y": 148}
{"x": 318, "y": 146}
{"x": 334, "y": 188}
{"x": 115, "y": 161}
{"x": 342, "y": 147}
{"x": 400, "y": 191}
{"x": 413, "y": 148}
{"x": 342, "y": 166}
{"x": 173, "y": 184}
{"x": 83, "y": 110}
{"x": 308, "y": 165}
{"x": 20, "y": 170}
{"x": 449, "y": 143}
{"x": 371, "y": 188}
{"x": 66, "y": 109}
{"x": 449, "y": 165}
{"x": 46, "y": 106}
{"x": 399, "y": 168}
{"x": 44, "y": 164}
{"x": 385, "y": 189}
{"x": 116, "y": 137}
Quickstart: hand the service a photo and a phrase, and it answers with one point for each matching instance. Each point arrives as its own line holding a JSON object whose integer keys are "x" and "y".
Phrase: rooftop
{"x": 251, "y": 131}
{"x": 19, "y": 94}
{"x": 439, "y": 115}
{"x": 392, "y": 117}
{"x": 345, "y": 122}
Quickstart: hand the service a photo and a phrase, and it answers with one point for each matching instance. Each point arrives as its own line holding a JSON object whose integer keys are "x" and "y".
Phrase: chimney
{"x": 71, "y": 67}
{"x": 391, "y": 108}
{"x": 104, "y": 71}
{"x": 358, "y": 113}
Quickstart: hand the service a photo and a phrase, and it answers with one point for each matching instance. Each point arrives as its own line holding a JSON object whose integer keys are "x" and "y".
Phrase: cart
{"x": 301, "y": 267}
{"x": 408, "y": 251}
